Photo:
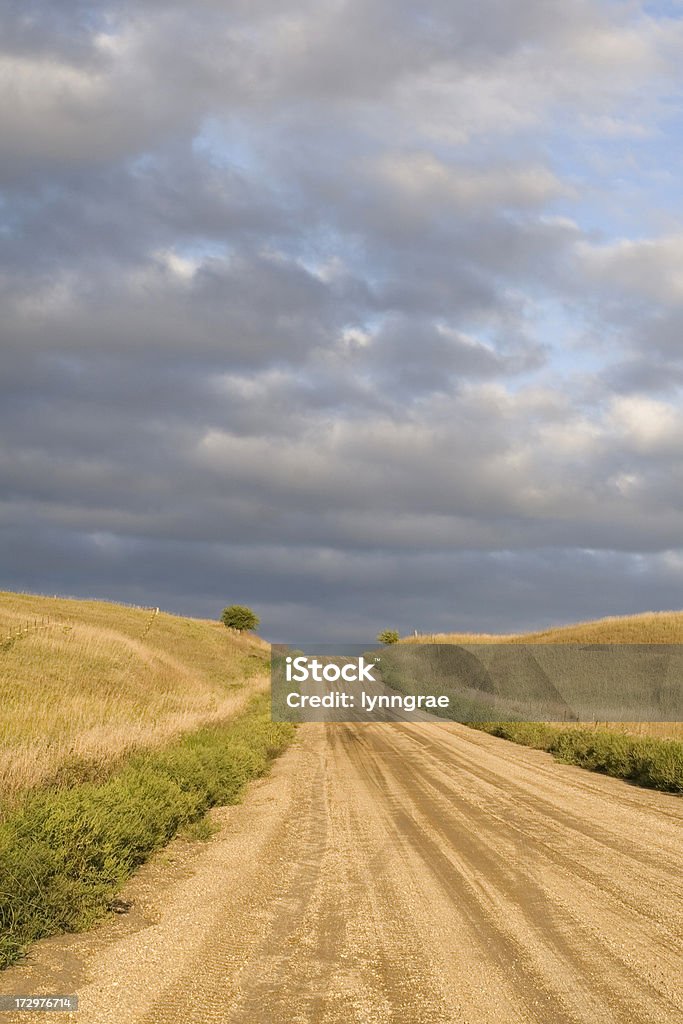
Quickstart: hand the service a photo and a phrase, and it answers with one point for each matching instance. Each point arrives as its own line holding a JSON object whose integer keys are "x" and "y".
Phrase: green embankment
{"x": 646, "y": 761}
{"x": 66, "y": 851}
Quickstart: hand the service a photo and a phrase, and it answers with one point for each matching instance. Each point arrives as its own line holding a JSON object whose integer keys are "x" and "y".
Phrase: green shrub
{"x": 239, "y": 617}
{"x": 66, "y": 852}
{"x": 647, "y": 761}
{"x": 388, "y": 636}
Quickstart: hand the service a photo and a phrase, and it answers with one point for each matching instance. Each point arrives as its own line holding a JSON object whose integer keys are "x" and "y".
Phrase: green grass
{"x": 646, "y": 761}
{"x": 199, "y": 831}
{"x": 65, "y": 852}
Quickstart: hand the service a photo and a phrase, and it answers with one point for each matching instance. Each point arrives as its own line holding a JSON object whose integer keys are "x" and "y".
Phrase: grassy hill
{"x": 647, "y": 753}
{"x": 648, "y": 627}
{"x": 118, "y": 726}
{"x": 84, "y": 683}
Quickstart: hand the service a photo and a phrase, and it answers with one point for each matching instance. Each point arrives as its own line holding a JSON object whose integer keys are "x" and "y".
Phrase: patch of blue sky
{"x": 620, "y": 188}
{"x": 228, "y": 144}
{"x": 570, "y": 343}
{"x": 203, "y": 249}
{"x": 663, "y": 8}
{"x": 7, "y": 218}
{"x": 571, "y": 350}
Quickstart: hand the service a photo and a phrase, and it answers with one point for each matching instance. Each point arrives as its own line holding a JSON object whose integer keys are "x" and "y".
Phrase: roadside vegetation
{"x": 66, "y": 851}
{"x": 644, "y": 760}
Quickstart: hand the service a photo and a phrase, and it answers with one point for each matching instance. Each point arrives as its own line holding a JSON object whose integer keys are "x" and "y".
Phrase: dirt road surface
{"x": 398, "y": 874}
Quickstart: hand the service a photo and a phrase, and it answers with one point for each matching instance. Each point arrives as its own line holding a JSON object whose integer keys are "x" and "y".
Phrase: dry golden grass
{"x": 99, "y": 680}
{"x": 647, "y": 628}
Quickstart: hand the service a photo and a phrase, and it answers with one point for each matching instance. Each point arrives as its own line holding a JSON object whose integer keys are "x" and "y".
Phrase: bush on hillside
{"x": 239, "y": 617}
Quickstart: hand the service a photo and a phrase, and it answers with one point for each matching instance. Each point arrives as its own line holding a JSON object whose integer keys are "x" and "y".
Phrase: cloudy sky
{"x": 366, "y": 313}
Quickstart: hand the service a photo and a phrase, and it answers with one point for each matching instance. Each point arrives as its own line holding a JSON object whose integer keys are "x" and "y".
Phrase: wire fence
{"x": 35, "y": 625}
{"x": 25, "y": 629}
{"x": 149, "y": 623}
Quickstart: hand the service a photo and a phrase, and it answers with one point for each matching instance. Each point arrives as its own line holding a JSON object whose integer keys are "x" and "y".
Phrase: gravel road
{"x": 403, "y": 873}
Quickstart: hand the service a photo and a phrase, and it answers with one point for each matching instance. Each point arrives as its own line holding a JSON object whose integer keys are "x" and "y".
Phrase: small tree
{"x": 388, "y": 636}
{"x": 238, "y": 617}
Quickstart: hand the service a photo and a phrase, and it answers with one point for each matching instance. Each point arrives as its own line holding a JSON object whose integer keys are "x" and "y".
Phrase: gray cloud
{"x": 307, "y": 306}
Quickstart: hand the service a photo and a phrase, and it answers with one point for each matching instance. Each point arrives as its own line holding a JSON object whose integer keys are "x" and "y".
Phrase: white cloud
{"x": 648, "y": 424}
{"x": 650, "y": 267}
{"x": 182, "y": 267}
{"x": 421, "y": 176}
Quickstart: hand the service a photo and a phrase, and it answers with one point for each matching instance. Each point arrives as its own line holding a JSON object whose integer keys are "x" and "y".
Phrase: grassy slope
{"x": 66, "y": 851}
{"x": 117, "y": 727}
{"x": 647, "y": 753}
{"x": 645, "y": 760}
{"x": 649, "y": 627}
{"x": 100, "y": 680}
